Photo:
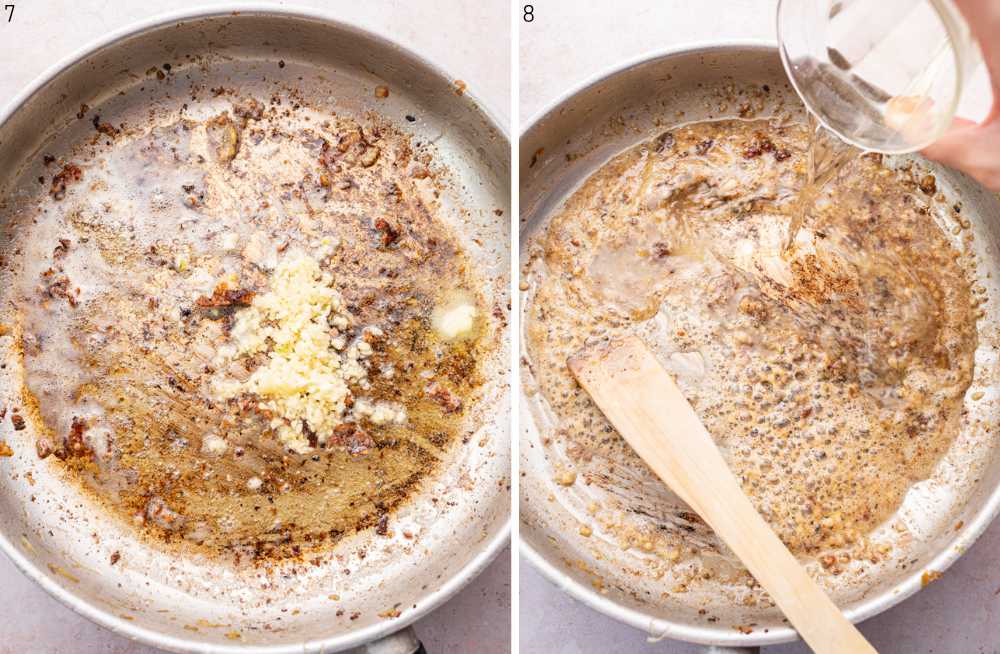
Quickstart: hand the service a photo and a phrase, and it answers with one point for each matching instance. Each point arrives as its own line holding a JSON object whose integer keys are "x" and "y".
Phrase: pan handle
{"x": 713, "y": 649}
{"x": 404, "y": 641}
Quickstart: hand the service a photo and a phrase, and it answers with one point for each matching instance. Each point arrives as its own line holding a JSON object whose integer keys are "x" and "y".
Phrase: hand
{"x": 975, "y": 149}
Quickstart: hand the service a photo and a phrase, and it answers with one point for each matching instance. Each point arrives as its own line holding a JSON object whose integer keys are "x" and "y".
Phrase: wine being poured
{"x": 825, "y": 157}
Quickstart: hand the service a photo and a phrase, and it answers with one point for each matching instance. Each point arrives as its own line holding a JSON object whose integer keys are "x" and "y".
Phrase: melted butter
{"x": 456, "y": 318}
{"x": 159, "y": 218}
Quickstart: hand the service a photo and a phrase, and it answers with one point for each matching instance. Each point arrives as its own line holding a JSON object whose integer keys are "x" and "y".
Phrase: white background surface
{"x": 477, "y": 50}
{"x": 569, "y": 41}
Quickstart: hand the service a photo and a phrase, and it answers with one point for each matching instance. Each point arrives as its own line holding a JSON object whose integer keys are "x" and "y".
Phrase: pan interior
{"x": 598, "y": 515}
{"x": 203, "y": 167}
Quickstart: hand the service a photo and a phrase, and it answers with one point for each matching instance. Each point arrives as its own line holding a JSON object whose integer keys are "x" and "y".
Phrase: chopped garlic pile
{"x": 299, "y": 324}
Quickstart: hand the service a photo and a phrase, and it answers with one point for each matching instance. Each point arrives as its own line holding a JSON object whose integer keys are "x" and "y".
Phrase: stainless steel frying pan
{"x": 59, "y": 538}
{"x": 943, "y": 515}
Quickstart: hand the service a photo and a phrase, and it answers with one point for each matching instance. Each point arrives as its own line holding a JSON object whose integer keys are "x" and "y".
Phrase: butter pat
{"x": 456, "y": 320}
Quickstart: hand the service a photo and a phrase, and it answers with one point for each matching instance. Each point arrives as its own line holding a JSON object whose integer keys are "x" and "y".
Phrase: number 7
{"x": 10, "y": 12}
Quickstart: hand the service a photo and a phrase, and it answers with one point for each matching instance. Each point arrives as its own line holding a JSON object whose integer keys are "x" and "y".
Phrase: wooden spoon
{"x": 644, "y": 404}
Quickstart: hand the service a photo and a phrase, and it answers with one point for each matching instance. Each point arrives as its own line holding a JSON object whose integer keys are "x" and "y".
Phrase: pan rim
{"x": 339, "y": 642}
{"x": 236, "y": 9}
{"x": 720, "y": 636}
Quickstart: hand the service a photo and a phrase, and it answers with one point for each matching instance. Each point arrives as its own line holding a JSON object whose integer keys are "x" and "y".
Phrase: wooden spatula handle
{"x": 644, "y": 404}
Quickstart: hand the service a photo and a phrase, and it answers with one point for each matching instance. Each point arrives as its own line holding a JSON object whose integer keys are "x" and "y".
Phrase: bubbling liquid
{"x": 827, "y": 350}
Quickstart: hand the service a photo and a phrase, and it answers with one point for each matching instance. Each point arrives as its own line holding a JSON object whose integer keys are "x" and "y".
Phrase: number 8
{"x": 529, "y": 13}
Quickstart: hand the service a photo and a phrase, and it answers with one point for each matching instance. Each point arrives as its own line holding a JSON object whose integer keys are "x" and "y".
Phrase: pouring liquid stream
{"x": 885, "y": 282}
{"x": 826, "y": 155}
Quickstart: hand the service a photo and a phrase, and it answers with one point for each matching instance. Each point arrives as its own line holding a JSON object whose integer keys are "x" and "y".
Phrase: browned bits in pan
{"x": 70, "y": 174}
{"x": 753, "y": 307}
{"x": 250, "y": 109}
{"x": 59, "y": 287}
{"x": 17, "y": 420}
{"x": 352, "y": 148}
{"x": 661, "y": 250}
{"x": 227, "y": 297}
{"x": 928, "y": 184}
{"x": 76, "y": 444}
{"x": 447, "y": 401}
{"x": 393, "y": 193}
{"x": 814, "y": 333}
{"x": 382, "y": 527}
{"x": 225, "y": 137}
{"x": 390, "y": 233}
{"x": 664, "y": 141}
{"x": 369, "y": 156}
{"x": 105, "y": 128}
{"x": 758, "y": 146}
{"x": 5, "y": 450}
{"x": 60, "y": 250}
{"x": 354, "y": 438}
{"x": 311, "y": 437}
{"x": 43, "y": 448}
{"x": 259, "y": 175}
{"x": 928, "y": 577}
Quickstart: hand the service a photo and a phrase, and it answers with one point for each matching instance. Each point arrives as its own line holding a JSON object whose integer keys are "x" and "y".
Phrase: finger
{"x": 973, "y": 150}
{"x": 949, "y": 148}
{"x": 960, "y": 123}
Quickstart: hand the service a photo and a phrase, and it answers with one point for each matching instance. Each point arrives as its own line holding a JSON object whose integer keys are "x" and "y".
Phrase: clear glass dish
{"x": 885, "y": 76}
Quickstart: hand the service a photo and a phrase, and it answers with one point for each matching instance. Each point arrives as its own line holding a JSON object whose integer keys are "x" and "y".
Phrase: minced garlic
{"x": 212, "y": 445}
{"x": 304, "y": 382}
{"x": 379, "y": 413}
